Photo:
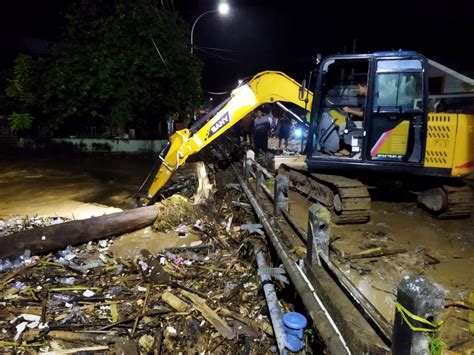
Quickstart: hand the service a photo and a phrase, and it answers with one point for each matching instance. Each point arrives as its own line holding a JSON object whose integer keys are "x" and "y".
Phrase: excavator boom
{"x": 265, "y": 87}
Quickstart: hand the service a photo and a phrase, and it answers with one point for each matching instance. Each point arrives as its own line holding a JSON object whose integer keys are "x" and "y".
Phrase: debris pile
{"x": 203, "y": 298}
{"x": 173, "y": 211}
{"x": 17, "y": 223}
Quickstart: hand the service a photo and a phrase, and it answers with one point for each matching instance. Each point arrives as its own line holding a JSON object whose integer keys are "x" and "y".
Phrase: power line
{"x": 218, "y": 56}
{"x": 216, "y": 49}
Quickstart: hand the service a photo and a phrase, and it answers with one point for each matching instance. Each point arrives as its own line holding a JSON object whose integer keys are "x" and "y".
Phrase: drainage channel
{"x": 325, "y": 325}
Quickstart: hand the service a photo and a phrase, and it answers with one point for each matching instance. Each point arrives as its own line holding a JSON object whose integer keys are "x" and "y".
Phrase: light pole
{"x": 223, "y": 9}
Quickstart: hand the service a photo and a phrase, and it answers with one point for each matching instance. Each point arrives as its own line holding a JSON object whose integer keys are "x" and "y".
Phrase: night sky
{"x": 283, "y": 35}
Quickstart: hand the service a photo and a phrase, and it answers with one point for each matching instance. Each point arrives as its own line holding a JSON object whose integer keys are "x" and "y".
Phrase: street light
{"x": 223, "y": 9}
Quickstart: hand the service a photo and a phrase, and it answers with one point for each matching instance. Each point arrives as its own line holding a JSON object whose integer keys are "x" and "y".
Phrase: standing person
{"x": 247, "y": 127}
{"x": 262, "y": 128}
{"x": 284, "y": 129}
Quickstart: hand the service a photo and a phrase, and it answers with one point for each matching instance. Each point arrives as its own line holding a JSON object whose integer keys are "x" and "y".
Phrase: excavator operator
{"x": 361, "y": 92}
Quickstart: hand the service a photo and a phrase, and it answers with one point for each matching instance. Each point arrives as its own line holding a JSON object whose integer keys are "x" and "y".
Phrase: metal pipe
{"x": 326, "y": 328}
{"x": 375, "y": 315}
{"x": 272, "y": 299}
{"x": 370, "y": 310}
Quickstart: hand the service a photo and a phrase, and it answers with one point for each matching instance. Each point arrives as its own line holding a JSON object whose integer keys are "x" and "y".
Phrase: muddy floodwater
{"x": 73, "y": 187}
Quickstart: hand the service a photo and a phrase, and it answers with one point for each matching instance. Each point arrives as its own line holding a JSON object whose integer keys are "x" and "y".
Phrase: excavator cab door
{"x": 396, "y": 113}
{"x": 338, "y": 134}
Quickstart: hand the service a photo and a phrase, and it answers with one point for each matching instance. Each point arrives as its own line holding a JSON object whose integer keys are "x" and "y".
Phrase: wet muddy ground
{"x": 443, "y": 251}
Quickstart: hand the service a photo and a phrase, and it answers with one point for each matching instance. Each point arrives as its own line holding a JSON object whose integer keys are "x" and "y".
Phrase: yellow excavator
{"x": 400, "y": 138}
{"x": 265, "y": 87}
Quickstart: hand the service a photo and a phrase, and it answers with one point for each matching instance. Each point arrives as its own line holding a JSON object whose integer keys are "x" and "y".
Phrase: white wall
{"x": 116, "y": 145}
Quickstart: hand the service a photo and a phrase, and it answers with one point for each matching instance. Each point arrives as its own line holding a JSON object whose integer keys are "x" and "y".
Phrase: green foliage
{"x": 104, "y": 70}
{"x": 436, "y": 345}
{"x": 21, "y": 122}
{"x": 107, "y": 70}
{"x": 21, "y": 89}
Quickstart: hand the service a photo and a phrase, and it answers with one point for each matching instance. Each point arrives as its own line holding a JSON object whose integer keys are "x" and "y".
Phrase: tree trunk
{"x": 56, "y": 237}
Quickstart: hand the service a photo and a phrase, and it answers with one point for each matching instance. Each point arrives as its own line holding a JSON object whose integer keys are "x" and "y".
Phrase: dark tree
{"x": 118, "y": 64}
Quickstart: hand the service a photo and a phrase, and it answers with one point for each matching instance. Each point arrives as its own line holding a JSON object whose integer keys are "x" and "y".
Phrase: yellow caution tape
{"x": 405, "y": 313}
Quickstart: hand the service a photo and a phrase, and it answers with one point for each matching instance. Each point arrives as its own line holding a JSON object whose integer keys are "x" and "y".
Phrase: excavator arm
{"x": 265, "y": 87}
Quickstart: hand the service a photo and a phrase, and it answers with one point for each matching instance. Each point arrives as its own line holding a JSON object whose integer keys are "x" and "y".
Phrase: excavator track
{"x": 447, "y": 201}
{"x": 347, "y": 199}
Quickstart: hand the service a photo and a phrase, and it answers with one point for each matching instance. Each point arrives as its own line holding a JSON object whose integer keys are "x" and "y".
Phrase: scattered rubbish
{"x": 83, "y": 298}
{"x": 171, "y": 330}
{"x": 253, "y": 228}
{"x": 67, "y": 280}
{"x": 199, "y": 225}
{"x": 19, "y": 285}
{"x": 230, "y": 289}
{"x": 17, "y": 223}
{"x": 246, "y": 206}
{"x": 233, "y": 186}
{"x": 182, "y": 230}
{"x": 376, "y": 252}
{"x": 20, "y": 328}
{"x": 88, "y": 293}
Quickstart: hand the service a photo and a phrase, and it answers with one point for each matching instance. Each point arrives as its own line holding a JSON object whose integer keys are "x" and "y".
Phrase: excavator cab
{"x": 390, "y": 130}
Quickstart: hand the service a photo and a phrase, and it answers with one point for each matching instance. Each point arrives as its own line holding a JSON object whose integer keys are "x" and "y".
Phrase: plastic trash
{"x": 252, "y": 228}
{"x": 19, "y": 285}
{"x": 26, "y": 255}
{"x": 116, "y": 290}
{"x": 92, "y": 264}
{"x": 67, "y": 280}
{"x": 62, "y": 298}
{"x": 192, "y": 256}
{"x": 294, "y": 324}
{"x": 182, "y": 230}
{"x": 176, "y": 259}
{"x": 171, "y": 330}
{"x": 19, "y": 329}
{"x": 229, "y": 288}
{"x": 75, "y": 313}
{"x": 199, "y": 225}
{"x": 88, "y": 293}
{"x": 64, "y": 252}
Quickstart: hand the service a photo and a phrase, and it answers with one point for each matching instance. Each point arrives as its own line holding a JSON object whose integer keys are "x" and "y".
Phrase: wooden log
{"x": 210, "y": 315}
{"x": 376, "y": 253}
{"x": 263, "y": 325}
{"x": 174, "y": 301}
{"x": 58, "y": 236}
{"x": 100, "y": 338}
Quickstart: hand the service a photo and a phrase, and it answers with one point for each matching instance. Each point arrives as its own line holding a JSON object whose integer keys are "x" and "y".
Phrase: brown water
{"x": 80, "y": 188}
{"x": 72, "y": 187}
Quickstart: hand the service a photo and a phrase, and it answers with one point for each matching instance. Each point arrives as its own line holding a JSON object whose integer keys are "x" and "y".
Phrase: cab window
{"x": 398, "y": 91}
